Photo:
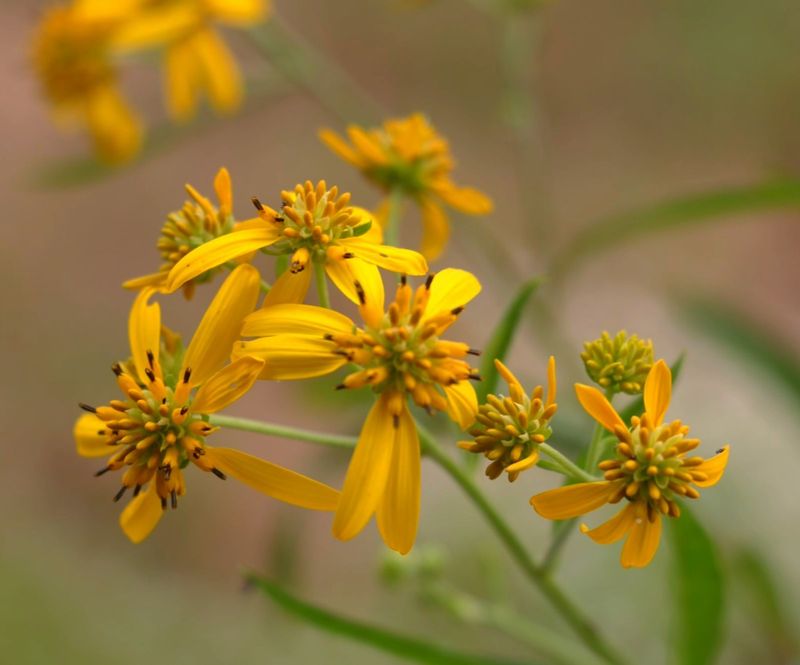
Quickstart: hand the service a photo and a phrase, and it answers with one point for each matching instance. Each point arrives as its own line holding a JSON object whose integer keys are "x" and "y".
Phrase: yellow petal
{"x": 88, "y": 441}
{"x": 395, "y": 259}
{"x": 435, "y": 229}
{"x": 462, "y": 403}
{"x": 221, "y": 325}
{"x": 144, "y": 331}
{"x": 642, "y": 543}
{"x": 657, "y": 393}
{"x": 345, "y": 273}
{"x": 227, "y": 385}
{"x": 466, "y": 199}
{"x": 219, "y": 251}
{"x": 398, "y": 511}
{"x": 153, "y": 28}
{"x": 375, "y": 233}
{"x": 181, "y": 80}
{"x": 155, "y": 279}
{"x": 238, "y": 12}
{"x": 611, "y": 531}
{"x": 566, "y": 502}
{"x": 289, "y": 288}
{"x": 451, "y": 288}
{"x": 713, "y": 467}
{"x": 115, "y": 129}
{"x": 598, "y": 407}
{"x": 291, "y": 357}
{"x": 224, "y": 190}
{"x": 295, "y": 319}
{"x": 142, "y": 514}
{"x": 366, "y": 145}
{"x": 551, "y": 381}
{"x": 221, "y": 75}
{"x": 368, "y": 472}
{"x": 273, "y": 480}
{"x": 338, "y": 145}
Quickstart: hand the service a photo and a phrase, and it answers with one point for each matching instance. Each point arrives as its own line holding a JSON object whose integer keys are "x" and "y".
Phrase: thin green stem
{"x": 322, "y": 285}
{"x": 391, "y": 231}
{"x": 570, "y": 468}
{"x": 595, "y": 450}
{"x": 285, "y": 432}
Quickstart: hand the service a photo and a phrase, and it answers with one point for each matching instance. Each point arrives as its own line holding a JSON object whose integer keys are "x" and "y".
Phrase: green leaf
{"x": 750, "y": 341}
{"x": 690, "y": 210}
{"x": 502, "y": 337}
{"x": 698, "y": 583}
{"x": 398, "y": 645}
{"x": 361, "y": 229}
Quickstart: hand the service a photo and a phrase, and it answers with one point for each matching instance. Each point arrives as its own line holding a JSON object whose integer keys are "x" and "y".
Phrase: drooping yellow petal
{"x": 598, "y": 407}
{"x": 155, "y": 279}
{"x": 616, "y": 528}
{"x": 153, "y": 28}
{"x": 218, "y": 251}
{"x": 227, "y": 385}
{"x": 144, "y": 331}
{"x": 657, "y": 393}
{"x": 115, "y": 129}
{"x": 338, "y": 145}
{"x": 642, "y": 543}
{"x": 345, "y": 273}
{"x": 238, "y": 12}
{"x": 273, "y": 480}
{"x": 181, "y": 80}
{"x": 514, "y": 386}
{"x": 291, "y": 357}
{"x": 451, "y": 288}
{"x": 367, "y": 145}
{"x": 368, "y": 473}
{"x": 570, "y": 501}
{"x": 466, "y": 199}
{"x": 221, "y": 75}
{"x": 289, "y": 288}
{"x": 224, "y": 190}
{"x": 398, "y": 511}
{"x": 295, "y": 319}
{"x": 221, "y": 325}
{"x": 395, "y": 259}
{"x": 142, "y": 514}
{"x": 551, "y": 381}
{"x": 462, "y": 403}
{"x": 90, "y": 437}
{"x": 435, "y": 229}
{"x": 713, "y": 467}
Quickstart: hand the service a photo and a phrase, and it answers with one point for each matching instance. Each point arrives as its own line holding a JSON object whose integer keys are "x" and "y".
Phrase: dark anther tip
{"x": 257, "y": 203}
{"x": 218, "y": 473}
{"x": 429, "y": 280}
{"x": 87, "y": 407}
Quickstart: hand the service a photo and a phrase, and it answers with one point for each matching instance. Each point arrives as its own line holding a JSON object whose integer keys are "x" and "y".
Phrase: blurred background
{"x": 633, "y": 104}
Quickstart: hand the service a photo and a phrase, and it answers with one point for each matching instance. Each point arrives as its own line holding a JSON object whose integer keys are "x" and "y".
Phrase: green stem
{"x": 295, "y": 433}
{"x": 570, "y": 468}
{"x": 391, "y": 230}
{"x": 595, "y": 445}
{"x": 322, "y": 285}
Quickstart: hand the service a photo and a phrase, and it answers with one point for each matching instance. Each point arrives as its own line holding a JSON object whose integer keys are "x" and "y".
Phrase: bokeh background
{"x": 635, "y": 103}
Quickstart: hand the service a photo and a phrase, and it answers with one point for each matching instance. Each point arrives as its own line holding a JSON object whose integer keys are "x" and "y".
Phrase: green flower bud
{"x": 619, "y": 364}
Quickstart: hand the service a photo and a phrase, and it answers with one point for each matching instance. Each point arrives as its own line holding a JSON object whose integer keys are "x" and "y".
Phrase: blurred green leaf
{"x": 749, "y": 340}
{"x": 400, "y": 646}
{"x": 690, "y": 210}
{"x": 698, "y": 583}
{"x": 501, "y": 339}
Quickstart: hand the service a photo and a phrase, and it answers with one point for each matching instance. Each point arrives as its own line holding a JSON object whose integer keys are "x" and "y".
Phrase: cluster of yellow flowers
{"x": 398, "y": 351}
{"x": 79, "y": 46}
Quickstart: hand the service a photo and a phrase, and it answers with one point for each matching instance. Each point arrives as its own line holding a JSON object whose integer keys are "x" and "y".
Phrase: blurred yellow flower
{"x": 315, "y": 225}
{"x": 198, "y": 222}
{"x": 196, "y": 60}
{"x": 159, "y": 426}
{"x": 398, "y": 354}
{"x": 650, "y": 470}
{"x": 409, "y": 156}
{"x": 509, "y": 429}
{"x": 72, "y": 54}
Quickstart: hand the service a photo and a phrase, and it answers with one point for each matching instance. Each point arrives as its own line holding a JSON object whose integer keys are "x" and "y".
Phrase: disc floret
{"x": 618, "y": 364}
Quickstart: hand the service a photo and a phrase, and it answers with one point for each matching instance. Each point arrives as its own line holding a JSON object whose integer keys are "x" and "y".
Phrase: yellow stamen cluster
{"x": 618, "y": 364}
{"x": 153, "y": 433}
{"x": 401, "y": 352}
{"x": 652, "y": 463}
{"x": 509, "y": 430}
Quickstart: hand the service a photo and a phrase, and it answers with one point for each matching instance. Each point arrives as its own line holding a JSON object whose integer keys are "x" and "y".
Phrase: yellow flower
{"x": 510, "y": 429}
{"x": 198, "y": 222}
{"x": 72, "y": 56}
{"x": 650, "y": 471}
{"x": 398, "y": 354}
{"x": 407, "y": 154}
{"x": 160, "y": 426}
{"x": 315, "y": 225}
{"x": 196, "y": 60}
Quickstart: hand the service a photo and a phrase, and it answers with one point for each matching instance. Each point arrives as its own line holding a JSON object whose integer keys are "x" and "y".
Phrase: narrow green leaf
{"x": 501, "y": 339}
{"x": 750, "y": 341}
{"x": 698, "y": 583}
{"x": 690, "y": 210}
{"x": 398, "y": 645}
